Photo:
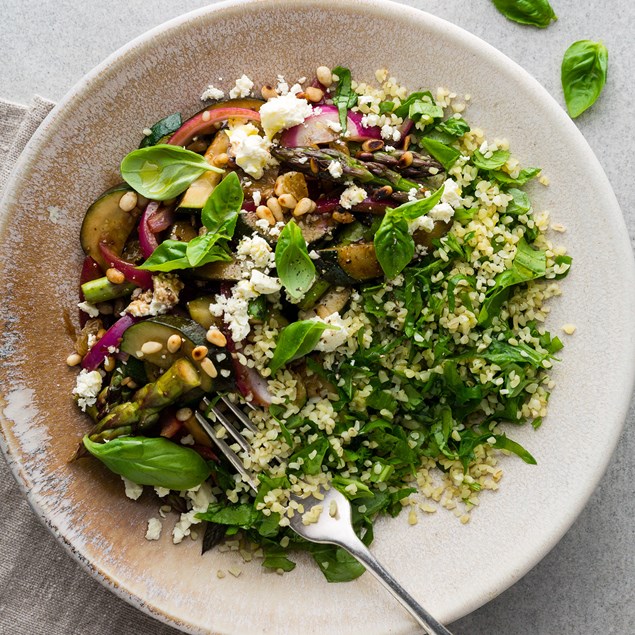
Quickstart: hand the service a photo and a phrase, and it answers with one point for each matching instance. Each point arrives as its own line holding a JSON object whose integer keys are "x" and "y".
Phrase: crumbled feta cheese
{"x": 199, "y": 499}
{"x": 87, "y": 387}
{"x": 242, "y": 88}
{"x": 133, "y": 490}
{"x": 412, "y": 194}
{"x": 257, "y": 197}
{"x": 157, "y": 301}
{"x": 250, "y": 150}
{"x": 352, "y": 195}
{"x": 441, "y": 212}
{"x": 335, "y": 169}
{"x": 452, "y": 193}
{"x": 422, "y": 222}
{"x": 89, "y": 308}
{"x": 161, "y": 492}
{"x": 283, "y": 112}
{"x": 235, "y": 309}
{"x": 314, "y": 255}
{"x": 332, "y": 338}
{"x": 188, "y": 440}
{"x": 263, "y": 283}
{"x": 257, "y": 250}
{"x": 154, "y": 529}
{"x": 335, "y": 126}
{"x": 283, "y": 87}
{"x": 211, "y": 92}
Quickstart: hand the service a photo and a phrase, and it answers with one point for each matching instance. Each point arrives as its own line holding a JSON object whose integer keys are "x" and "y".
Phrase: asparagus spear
{"x": 317, "y": 161}
{"x": 102, "y": 290}
{"x": 407, "y": 162}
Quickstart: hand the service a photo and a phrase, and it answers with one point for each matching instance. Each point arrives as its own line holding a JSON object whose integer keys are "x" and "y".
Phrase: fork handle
{"x": 359, "y": 550}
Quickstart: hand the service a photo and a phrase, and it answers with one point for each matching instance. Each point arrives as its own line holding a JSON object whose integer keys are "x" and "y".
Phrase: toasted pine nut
{"x": 150, "y": 347}
{"x": 199, "y": 352}
{"x": 406, "y": 159}
{"x": 313, "y": 164}
{"x": 221, "y": 160}
{"x": 73, "y": 359}
{"x": 262, "y": 211}
{"x": 304, "y": 206}
{"x": 100, "y": 333}
{"x": 383, "y": 192}
{"x": 372, "y": 145}
{"x": 174, "y": 343}
{"x": 280, "y": 188}
{"x": 214, "y": 336}
{"x": 268, "y": 92}
{"x": 406, "y": 141}
{"x": 183, "y": 414}
{"x": 128, "y": 201}
{"x": 324, "y": 76}
{"x": 208, "y": 366}
{"x": 276, "y": 209}
{"x": 288, "y": 201}
{"x": 343, "y": 217}
{"x": 115, "y": 276}
{"x": 109, "y": 363}
{"x": 313, "y": 94}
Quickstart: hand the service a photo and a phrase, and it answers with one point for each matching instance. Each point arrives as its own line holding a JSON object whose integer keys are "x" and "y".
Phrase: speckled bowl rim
{"x": 380, "y": 8}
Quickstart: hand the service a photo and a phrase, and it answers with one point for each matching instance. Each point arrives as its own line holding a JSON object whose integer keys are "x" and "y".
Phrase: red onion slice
{"x": 132, "y": 274}
{"x": 112, "y": 337}
{"x": 147, "y": 240}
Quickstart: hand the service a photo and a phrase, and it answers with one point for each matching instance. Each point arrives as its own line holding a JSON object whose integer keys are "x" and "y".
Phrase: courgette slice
{"x": 105, "y": 222}
{"x": 160, "y": 329}
{"x": 333, "y": 301}
{"x": 424, "y": 238}
{"x": 311, "y": 297}
{"x": 200, "y": 313}
{"x": 314, "y": 227}
{"x": 220, "y": 270}
{"x": 349, "y": 264}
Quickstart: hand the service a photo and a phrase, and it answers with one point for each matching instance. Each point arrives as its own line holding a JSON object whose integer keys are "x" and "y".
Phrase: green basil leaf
{"x": 520, "y": 203}
{"x": 204, "y": 249}
{"x": 293, "y": 263}
{"x": 523, "y": 177}
{"x": 163, "y": 171}
{"x": 403, "y": 109}
{"x": 386, "y": 106}
{"x": 583, "y": 75}
{"x": 454, "y": 126}
{"x": 414, "y": 209}
{"x": 168, "y": 256}
{"x": 336, "y": 564}
{"x": 394, "y": 246}
{"x": 444, "y": 154}
{"x": 243, "y": 515}
{"x": 221, "y": 209}
{"x": 295, "y": 341}
{"x": 162, "y": 128}
{"x": 497, "y": 160}
{"x": 425, "y": 109}
{"x": 344, "y": 97}
{"x": 151, "y": 461}
{"x": 532, "y": 12}
{"x": 503, "y": 443}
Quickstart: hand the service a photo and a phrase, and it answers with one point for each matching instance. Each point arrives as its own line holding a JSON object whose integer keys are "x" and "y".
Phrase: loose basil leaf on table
{"x": 163, "y": 171}
{"x": 162, "y": 128}
{"x": 151, "y": 461}
{"x": 537, "y": 13}
{"x": 293, "y": 263}
{"x": 583, "y": 75}
{"x": 344, "y": 97}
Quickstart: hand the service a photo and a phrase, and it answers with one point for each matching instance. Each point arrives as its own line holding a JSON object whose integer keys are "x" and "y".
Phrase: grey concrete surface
{"x": 587, "y": 583}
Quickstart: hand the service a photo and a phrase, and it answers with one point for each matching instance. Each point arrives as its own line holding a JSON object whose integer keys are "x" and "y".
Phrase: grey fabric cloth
{"x": 43, "y": 591}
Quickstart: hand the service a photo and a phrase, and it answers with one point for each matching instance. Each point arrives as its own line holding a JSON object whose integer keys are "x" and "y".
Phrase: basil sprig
{"x": 394, "y": 246}
{"x": 583, "y": 75}
{"x": 219, "y": 216}
{"x": 532, "y": 12}
{"x": 163, "y": 171}
{"x": 344, "y": 97}
{"x": 297, "y": 340}
{"x": 293, "y": 263}
{"x": 151, "y": 461}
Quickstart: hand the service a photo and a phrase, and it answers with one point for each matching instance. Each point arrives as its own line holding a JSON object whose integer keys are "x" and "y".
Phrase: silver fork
{"x": 333, "y": 525}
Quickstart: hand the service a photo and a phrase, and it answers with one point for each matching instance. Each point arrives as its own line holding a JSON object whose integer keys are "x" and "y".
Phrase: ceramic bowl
{"x": 449, "y": 567}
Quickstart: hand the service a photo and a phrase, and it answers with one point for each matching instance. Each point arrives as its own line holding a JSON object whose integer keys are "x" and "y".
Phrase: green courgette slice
{"x": 349, "y": 264}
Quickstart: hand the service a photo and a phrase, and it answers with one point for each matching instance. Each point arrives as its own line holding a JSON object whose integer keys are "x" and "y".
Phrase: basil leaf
{"x": 394, "y": 246}
{"x": 532, "y": 12}
{"x": 295, "y": 341}
{"x": 454, "y": 126}
{"x": 583, "y": 75}
{"x": 444, "y": 154}
{"x": 293, "y": 263}
{"x": 221, "y": 209}
{"x": 162, "y": 128}
{"x": 203, "y": 249}
{"x": 243, "y": 515}
{"x": 520, "y": 203}
{"x": 386, "y": 106}
{"x": 168, "y": 256}
{"x": 503, "y": 443}
{"x": 523, "y": 177}
{"x": 163, "y": 171}
{"x": 403, "y": 109}
{"x": 345, "y": 97}
{"x": 497, "y": 160}
{"x": 336, "y": 564}
{"x": 151, "y": 461}
{"x": 414, "y": 209}
{"x": 425, "y": 109}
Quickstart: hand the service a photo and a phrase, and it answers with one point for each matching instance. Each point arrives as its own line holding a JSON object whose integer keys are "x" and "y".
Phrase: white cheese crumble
{"x": 234, "y": 309}
{"x": 89, "y": 308}
{"x": 211, "y": 92}
{"x": 188, "y": 440}
{"x": 424, "y": 222}
{"x": 250, "y": 150}
{"x": 441, "y": 212}
{"x": 242, "y": 88}
{"x": 161, "y": 492}
{"x": 257, "y": 197}
{"x": 452, "y": 193}
{"x": 154, "y": 529}
{"x": 255, "y": 251}
{"x": 283, "y": 112}
{"x": 352, "y": 195}
{"x": 263, "y": 283}
{"x": 133, "y": 490}
{"x": 332, "y": 338}
{"x": 87, "y": 387}
{"x": 335, "y": 169}
{"x": 199, "y": 499}
{"x": 157, "y": 301}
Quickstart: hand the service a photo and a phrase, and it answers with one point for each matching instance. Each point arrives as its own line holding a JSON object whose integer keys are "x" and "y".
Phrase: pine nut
{"x": 128, "y": 201}
{"x": 262, "y": 211}
{"x": 100, "y": 333}
{"x": 183, "y": 414}
{"x": 214, "y": 336}
{"x": 174, "y": 343}
{"x": 199, "y": 352}
{"x": 73, "y": 359}
{"x": 109, "y": 363}
{"x": 280, "y": 186}
{"x": 343, "y": 217}
{"x": 383, "y": 192}
{"x": 276, "y": 209}
{"x": 372, "y": 145}
{"x": 313, "y": 164}
{"x": 313, "y": 94}
{"x": 115, "y": 276}
{"x": 220, "y": 160}
{"x": 406, "y": 159}
{"x": 406, "y": 141}
{"x": 208, "y": 366}
{"x": 151, "y": 347}
{"x": 304, "y": 206}
{"x": 268, "y": 92}
{"x": 206, "y": 116}
{"x": 288, "y": 201}
{"x": 324, "y": 76}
